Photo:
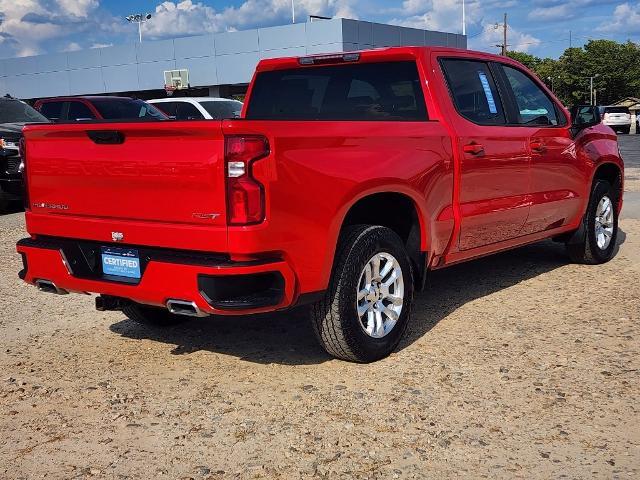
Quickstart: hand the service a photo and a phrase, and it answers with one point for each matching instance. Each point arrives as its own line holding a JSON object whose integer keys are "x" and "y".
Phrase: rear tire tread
{"x": 327, "y": 319}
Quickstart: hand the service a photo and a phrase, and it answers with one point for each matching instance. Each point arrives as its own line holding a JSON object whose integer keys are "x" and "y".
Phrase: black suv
{"x": 14, "y": 114}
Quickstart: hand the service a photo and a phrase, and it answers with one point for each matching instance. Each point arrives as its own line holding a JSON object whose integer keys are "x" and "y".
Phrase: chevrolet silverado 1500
{"x": 346, "y": 180}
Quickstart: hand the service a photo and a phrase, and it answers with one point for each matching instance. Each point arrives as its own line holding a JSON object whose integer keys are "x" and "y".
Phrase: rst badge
{"x": 117, "y": 236}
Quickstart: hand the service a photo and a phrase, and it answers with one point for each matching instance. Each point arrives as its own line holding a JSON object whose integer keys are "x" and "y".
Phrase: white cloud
{"x": 187, "y": 17}
{"x": 491, "y": 37}
{"x": 72, "y": 47}
{"x": 101, "y": 45}
{"x": 27, "y": 25}
{"x": 626, "y": 19}
{"x": 445, "y": 15}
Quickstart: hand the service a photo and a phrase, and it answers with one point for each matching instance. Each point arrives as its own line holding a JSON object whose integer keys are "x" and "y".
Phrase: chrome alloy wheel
{"x": 380, "y": 295}
{"x": 604, "y": 223}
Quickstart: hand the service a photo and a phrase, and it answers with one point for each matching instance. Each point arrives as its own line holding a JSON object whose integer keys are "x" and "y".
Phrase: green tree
{"x": 615, "y": 66}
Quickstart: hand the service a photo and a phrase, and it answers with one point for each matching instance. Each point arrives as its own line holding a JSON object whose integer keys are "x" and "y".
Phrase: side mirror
{"x": 585, "y": 116}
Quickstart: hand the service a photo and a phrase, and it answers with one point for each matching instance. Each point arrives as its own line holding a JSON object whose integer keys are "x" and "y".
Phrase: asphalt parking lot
{"x": 519, "y": 365}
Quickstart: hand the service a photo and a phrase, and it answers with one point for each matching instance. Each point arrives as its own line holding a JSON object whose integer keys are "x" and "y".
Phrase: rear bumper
{"x": 216, "y": 284}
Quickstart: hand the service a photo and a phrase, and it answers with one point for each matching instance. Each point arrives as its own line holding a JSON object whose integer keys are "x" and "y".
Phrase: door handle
{"x": 473, "y": 148}
{"x": 537, "y": 146}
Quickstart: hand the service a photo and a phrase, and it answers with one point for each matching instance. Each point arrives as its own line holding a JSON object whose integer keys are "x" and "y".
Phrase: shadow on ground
{"x": 287, "y": 338}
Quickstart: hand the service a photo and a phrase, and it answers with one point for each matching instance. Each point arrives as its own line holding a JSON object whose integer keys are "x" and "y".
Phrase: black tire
{"x": 153, "y": 316}
{"x": 335, "y": 319}
{"x": 4, "y": 205}
{"x": 626, "y": 130}
{"x": 587, "y": 250}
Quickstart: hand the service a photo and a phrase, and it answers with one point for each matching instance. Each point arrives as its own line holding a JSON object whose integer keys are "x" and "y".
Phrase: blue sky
{"x": 541, "y": 27}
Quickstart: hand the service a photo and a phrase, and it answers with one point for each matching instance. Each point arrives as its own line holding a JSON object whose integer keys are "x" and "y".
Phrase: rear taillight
{"x": 22, "y": 151}
{"x": 245, "y": 194}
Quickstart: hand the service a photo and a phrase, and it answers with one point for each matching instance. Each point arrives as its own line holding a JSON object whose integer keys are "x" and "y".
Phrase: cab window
{"x": 473, "y": 90}
{"x": 188, "y": 111}
{"x": 79, "y": 111}
{"x": 52, "y": 110}
{"x": 534, "y": 107}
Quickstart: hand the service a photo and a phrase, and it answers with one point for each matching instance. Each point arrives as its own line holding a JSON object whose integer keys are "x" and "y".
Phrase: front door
{"x": 494, "y": 166}
{"x": 558, "y": 175}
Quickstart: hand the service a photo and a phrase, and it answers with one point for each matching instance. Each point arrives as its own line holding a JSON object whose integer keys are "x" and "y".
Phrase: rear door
{"x": 494, "y": 166}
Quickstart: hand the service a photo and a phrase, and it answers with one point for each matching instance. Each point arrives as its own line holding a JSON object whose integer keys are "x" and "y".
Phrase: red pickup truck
{"x": 348, "y": 178}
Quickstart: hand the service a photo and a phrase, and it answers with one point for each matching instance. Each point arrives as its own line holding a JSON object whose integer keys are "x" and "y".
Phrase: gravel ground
{"x": 518, "y": 365}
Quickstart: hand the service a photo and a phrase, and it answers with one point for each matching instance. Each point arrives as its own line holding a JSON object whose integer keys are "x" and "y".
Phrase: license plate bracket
{"x": 121, "y": 262}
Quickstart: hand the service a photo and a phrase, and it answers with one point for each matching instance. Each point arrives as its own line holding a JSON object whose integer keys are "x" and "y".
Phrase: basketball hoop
{"x": 175, "y": 80}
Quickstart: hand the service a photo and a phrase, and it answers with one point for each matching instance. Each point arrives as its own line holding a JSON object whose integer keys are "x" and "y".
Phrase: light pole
{"x": 551, "y": 80}
{"x": 293, "y": 12}
{"x": 138, "y": 18}
{"x": 464, "y": 20}
{"x": 591, "y": 87}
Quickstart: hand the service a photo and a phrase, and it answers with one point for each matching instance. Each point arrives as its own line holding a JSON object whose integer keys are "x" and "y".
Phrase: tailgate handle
{"x": 106, "y": 137}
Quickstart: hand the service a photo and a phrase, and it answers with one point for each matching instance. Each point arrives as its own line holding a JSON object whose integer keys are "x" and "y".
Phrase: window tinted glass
{"x": 79, "y": 111}
{"x": 52, "y": 110}
{"x": 188, "y": 111}
{"x": 169, "y": 108}
{"x": 389, "y": 91}
{"x": 126, "y": 109}
{"x": 16, "y": 111}
{"x": 534, "y": 106}
{"x": 616, "y": 110}
{"x": 219, "y": 110}
{"x": 474, "y": 91}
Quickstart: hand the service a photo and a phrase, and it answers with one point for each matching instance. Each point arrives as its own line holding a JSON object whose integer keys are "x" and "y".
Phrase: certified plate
{"x": 120, "y": 262}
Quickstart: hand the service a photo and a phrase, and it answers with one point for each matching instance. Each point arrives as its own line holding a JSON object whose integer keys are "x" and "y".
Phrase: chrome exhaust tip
{"x": 184, "y": 307}
{"x": 49, "y": 287}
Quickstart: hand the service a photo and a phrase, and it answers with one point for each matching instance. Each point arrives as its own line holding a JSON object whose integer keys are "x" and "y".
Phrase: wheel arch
{"x": 397, "y": 209}
{"x": 613, "y": 173}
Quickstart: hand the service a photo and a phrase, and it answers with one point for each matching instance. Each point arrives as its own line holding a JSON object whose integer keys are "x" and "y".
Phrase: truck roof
{"x": 378, "y": 54}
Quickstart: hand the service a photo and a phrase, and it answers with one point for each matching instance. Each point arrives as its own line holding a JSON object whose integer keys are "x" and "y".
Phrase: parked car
{"x": 198, "y": 108}
{"x": 76, "y": 109}
{"x": 347, "y": 180}
{"x": 618, "y": 118}
{"x": 14, "y": 114}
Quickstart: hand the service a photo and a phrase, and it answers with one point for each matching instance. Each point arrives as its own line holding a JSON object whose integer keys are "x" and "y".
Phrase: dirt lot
{"x": 516, "y": 366}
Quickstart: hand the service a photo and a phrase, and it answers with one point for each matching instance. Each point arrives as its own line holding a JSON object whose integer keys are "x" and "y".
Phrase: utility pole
{"x": 570, "y": 40}
{"x": 504, "y": 36}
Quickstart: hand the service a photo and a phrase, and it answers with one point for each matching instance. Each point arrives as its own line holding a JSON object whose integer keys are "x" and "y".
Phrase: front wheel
{"x": 601, "y": 223}
{"x": 367, "y": 306}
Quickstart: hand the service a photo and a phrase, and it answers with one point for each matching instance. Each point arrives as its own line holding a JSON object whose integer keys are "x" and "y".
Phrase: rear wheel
{"x": 601, "y": 223}
{"x": 366, "y": 308}
{"x": 626, "y": 130}
{"x": 154, "y": 316}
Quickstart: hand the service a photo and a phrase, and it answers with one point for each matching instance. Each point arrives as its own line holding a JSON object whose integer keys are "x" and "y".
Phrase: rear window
{"x": 387, "y": 91}
{"x": 52, "y": 110}
{"x": 126, "y": 109}
{"x": 222, "y": 109}
{"x": 617, "y": 110}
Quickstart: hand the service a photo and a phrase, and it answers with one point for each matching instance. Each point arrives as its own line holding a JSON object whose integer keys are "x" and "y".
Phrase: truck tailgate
{"x": 150, "y": 172}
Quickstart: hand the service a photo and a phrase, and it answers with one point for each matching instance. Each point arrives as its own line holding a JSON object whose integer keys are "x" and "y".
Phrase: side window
{"x": 188, "y": 111}
{"x": 52, "y": 110}
{"x": 474, "y": 91}
{"x": 534, "y": 106}
{"x": 79, "y": 111}
{"x": 169, "y": 108}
